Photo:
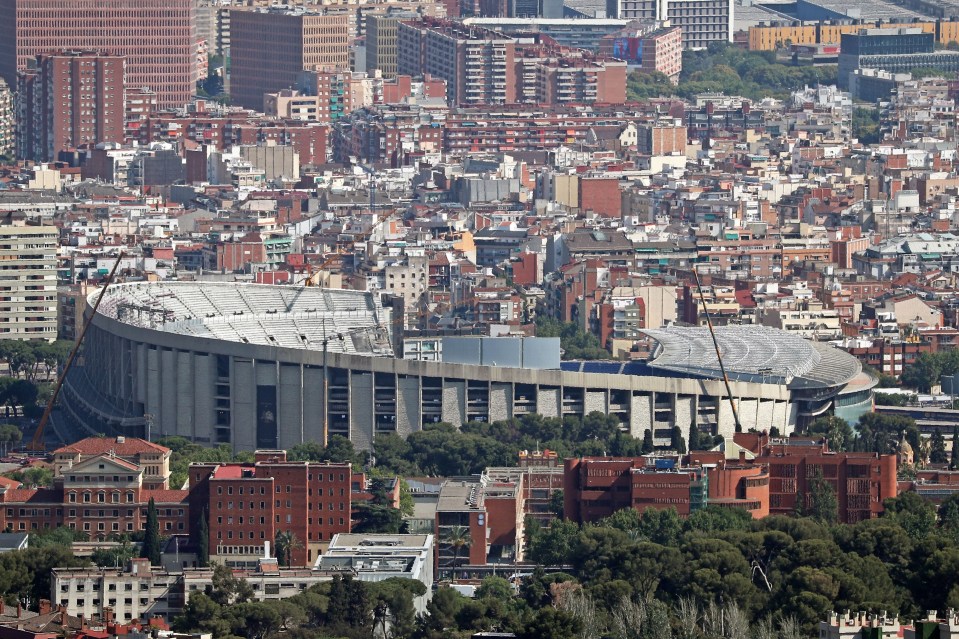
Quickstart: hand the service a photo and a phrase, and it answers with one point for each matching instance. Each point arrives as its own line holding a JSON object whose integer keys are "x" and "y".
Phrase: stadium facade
{"x": 243, "y": 364}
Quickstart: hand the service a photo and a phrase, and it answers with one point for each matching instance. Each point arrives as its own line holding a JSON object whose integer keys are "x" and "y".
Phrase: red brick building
{"x": 248, "y": 504}
{"x": 71, "y": 99}
{"x": 101, "y": 492}
{"x": 771, "y": 483}
{"x": 601, "y": 195}
{"x": 596, "y": 487}
{"x": 861, "y": 481}
{"x": 99, "y": 496}
{"x": 157, "y": 38}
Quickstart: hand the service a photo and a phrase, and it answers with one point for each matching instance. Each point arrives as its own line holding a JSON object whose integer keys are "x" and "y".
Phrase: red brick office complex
{"x": 248, "y": 505}
{"x": 771, "y": 483}
{"x": 157, "y": 37}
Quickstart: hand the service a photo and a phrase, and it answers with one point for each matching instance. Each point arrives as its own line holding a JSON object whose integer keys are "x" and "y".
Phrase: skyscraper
{"x": 71, "y": 99}
{"x": 157, "y": 38}
{"x": 270, "y": 47}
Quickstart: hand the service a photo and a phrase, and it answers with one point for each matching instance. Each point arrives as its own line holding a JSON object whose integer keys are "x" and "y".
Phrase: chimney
{"x": 742, "y": 456}
{"x": 63, "y": 617}
{"x": 83, "y": 622}
{"x": 108, "y": 614}
{"x": 19, "y": 610}
{"x": 45, "y": 607}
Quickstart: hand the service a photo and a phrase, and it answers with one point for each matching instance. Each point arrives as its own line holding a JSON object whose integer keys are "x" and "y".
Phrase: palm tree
{"x": 457, "y": 538}
{"x": 286, "y": 543}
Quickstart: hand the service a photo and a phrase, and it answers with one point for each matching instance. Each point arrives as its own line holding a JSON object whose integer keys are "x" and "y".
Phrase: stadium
{"x": 258, "y": 366}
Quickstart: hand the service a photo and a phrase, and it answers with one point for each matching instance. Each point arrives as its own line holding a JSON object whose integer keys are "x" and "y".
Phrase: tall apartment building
{"x": 28, "y": 279}
{"x": 702, "y": 21}
{"x": 477, "y": 64}
{"x": 7, "y": 121}
{"x": 269, "y": 47}
{"x": 68, "y": 100}
{"x": 157, "y": 37}
{"x": 483, "y": 67}
{"x": 381, "y": 37}
{"x": 546, "y": 74}
{"x": 247, "y": 505}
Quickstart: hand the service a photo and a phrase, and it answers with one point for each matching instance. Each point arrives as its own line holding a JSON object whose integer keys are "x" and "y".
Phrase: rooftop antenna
{"x": 719, "y": 356}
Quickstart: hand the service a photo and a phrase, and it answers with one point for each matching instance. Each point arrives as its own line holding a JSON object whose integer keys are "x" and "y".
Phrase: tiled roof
{"x": 166, "y": 496}
{"x": 26, "y": 495}
{"x": 100, "y": 445}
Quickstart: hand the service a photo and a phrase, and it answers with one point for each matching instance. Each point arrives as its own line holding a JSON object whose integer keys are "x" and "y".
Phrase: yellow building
{"x": 769, "y": 38}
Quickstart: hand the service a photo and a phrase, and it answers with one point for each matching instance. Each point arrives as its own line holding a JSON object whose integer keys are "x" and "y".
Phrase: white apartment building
{"x": 702, "y": 21}
{"x": 28, "y": 280}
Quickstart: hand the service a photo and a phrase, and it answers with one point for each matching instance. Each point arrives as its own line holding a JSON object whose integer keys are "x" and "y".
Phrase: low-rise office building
{"x": 378, "y": 557}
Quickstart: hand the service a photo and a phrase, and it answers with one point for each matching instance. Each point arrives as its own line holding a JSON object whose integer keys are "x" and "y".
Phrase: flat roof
{"x": 455, "y": 496}
{"x": 597, "y": 22}
{"x": 358, "y": 541}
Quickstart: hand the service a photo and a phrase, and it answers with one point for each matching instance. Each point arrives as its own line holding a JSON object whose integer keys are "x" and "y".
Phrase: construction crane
{"x": 37, "y": 443}
{"x": 719, "y": 356}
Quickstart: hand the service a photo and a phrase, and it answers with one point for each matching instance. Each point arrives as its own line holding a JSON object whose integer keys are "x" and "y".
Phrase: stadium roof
{"x": 753, "y": 354}
{"x": 283, "y": 316}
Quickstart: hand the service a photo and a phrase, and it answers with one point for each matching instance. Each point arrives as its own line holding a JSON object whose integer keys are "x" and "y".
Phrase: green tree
{"x": 552, "y": 623}
{"x": 648, "y": 446}
{"x": 574, "y": 341}
{"x": 151, "y": 541}
{"x": 865, "y": 125}
{"x": 457, "y": 539}
{"x": 820, "y": 502}
{"x": 676, "y": 441}
{"x": 202, "y": 614}
{"x": 892, "y": 399}
{"x": 226, "y": 589}
{"x": 914, "y": 514}
{"x": 10, "y": 436}
{"x": 949, "y": 517}
{"x": 837, "y": 431}
{"x": 286, "y": 543}
{"x": 117, "y": 556}
{"x": 937, "y": 448}
{"x": 694, "y": 439}
{"x": 338, "y": 449}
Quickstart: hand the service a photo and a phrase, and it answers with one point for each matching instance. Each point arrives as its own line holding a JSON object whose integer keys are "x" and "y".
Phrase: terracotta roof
{"x": 228, "y": 471}
{"x": 26, "y": 495}
{"x": 100, "y": 445}
{"x": 6, "y": 482}
{"x": 166, "y": 496}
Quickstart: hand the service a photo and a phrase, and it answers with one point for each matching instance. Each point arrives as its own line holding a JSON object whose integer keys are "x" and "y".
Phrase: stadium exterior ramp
{"x": 242, "y": 364}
